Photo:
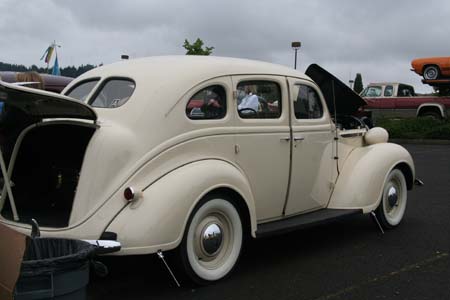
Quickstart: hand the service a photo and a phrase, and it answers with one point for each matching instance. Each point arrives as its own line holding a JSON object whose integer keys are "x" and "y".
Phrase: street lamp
{"x": 296, "y": 46}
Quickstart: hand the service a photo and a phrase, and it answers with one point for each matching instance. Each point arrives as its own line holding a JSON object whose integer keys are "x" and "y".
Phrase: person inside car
{"x": 250, "y": 102}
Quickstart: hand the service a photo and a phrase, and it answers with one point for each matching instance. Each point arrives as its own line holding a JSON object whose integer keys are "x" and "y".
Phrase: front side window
{"x": 259, "y": 100}
{"x": 82, "y": 90}
{"x": 209, "y": 103}
{"x": 113, "y": 93}
{"x": 307, "y": 103}
{"x": 388, "y": 91}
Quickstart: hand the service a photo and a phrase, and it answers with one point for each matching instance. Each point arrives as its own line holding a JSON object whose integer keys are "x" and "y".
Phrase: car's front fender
{"x": 156, "y": 221}
{"x": 360, "y": 182}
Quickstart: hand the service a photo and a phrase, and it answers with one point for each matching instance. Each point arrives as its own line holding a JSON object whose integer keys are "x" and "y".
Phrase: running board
{"x": 289, "y": 224}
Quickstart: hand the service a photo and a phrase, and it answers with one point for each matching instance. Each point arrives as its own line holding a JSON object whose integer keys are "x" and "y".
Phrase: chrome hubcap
{"x": 392, "y": 197}
{"x": 430, "y": 73}
{"x": 211, "y": 239}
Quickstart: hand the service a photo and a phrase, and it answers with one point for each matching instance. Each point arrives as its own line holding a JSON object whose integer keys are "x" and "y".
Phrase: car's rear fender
{"x": 157, "y": 220}
{"x": 440, "y": 108}
{"x": 360, "y": 182}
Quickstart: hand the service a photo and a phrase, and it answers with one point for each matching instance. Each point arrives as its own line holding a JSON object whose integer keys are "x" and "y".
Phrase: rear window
{"x": 82, "y": 90}
{"x": 113, "y": 93}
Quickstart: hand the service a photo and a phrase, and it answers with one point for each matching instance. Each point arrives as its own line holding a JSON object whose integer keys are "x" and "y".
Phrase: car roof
{"x": 162, "y": 81}
{"x": 189, "y": 67}
{"x": 387, "y": 83}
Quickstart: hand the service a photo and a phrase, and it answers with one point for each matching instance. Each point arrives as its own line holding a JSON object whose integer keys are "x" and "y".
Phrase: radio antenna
{"x": 336, "y": 137}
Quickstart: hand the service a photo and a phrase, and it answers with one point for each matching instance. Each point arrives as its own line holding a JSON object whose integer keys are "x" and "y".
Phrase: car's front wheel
{"x": 212, "y": 241}
{"x": 392, "y": 207}
{"x": 431, "y": 72}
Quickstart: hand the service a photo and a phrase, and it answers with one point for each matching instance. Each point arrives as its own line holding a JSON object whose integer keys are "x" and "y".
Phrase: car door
{"x": 263, "y": 139}
{"x": 312, "y": 175}
{"x": 405, "y": 104}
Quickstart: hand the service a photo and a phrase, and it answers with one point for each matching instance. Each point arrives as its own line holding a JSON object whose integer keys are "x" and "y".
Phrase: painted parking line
{"x": 437, "y": 257}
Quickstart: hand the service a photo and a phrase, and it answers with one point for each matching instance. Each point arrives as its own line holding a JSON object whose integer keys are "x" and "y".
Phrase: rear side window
{"x": 388, "y": 91}
{"x": 207, "y": 104}
{"x": 82, "y": 90}
{"x": 113, "y": 93}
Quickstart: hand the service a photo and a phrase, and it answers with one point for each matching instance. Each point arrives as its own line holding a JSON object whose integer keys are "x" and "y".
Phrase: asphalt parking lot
{"x": 348, "y": 259}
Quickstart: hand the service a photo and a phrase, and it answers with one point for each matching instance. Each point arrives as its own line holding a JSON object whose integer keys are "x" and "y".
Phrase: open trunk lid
{"x": 38, "y": 104}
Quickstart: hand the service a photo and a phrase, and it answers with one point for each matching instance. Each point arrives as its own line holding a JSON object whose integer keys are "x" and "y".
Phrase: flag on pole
{"x": 48, "y": 53}
{"x": 55, "y": 70}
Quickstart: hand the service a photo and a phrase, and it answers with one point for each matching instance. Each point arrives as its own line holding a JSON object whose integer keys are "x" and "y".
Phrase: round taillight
{"x": 129, "y": 194}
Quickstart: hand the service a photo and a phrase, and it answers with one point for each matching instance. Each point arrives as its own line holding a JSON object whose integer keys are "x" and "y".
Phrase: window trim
{"x": 102, "y": 84}
{"x": 320, "y": 98}
{"x": 307, "y": 123}
{"x": 280, "y": 101}
{"x": 225, "y": 100}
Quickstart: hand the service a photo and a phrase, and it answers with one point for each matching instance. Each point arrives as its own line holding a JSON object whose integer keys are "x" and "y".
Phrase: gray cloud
{"x": 375, "y": 38}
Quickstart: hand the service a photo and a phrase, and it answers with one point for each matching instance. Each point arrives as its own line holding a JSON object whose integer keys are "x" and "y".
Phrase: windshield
{"x": 371, "y": 91}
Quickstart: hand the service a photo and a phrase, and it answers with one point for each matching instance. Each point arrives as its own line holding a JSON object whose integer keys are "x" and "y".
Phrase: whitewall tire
{"x": 212, "y": 241}
{"x": 392, "y": 207}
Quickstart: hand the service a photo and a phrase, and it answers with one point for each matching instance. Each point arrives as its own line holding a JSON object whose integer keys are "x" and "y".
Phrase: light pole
{"x": 296, "y": 46}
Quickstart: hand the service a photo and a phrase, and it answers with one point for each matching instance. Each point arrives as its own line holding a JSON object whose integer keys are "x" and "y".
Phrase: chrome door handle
{"x": 298, "y": 138}
{"x": 285, "y": 139}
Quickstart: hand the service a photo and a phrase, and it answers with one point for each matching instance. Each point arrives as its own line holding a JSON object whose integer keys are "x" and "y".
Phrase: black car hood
{"x": 38, "y": 105}
{"x": 347, "y": 101}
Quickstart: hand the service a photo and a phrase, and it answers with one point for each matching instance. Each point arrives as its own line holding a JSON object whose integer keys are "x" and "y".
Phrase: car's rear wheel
{"x": 212, "y": 241}
{"x": 431, "y": 72}
{"x": 392, "y": 207}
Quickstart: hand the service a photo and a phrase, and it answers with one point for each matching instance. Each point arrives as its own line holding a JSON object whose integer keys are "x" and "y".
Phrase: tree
{"x": 70, "y": 71}
{"x": 196, "y": 48}
{"x": 358, "y": 86}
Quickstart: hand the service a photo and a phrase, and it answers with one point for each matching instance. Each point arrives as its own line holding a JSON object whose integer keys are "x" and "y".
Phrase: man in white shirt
{"x": 250, "y": 101}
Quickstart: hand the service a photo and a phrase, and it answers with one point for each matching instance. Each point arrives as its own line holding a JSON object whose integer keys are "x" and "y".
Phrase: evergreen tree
{"x": 358, "y": 86}
{"x": 196, "y": 48}
{"x": 69, "y": 71}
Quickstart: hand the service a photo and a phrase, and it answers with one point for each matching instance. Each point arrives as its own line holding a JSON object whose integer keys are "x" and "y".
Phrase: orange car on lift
{"x": 432, "y": 67}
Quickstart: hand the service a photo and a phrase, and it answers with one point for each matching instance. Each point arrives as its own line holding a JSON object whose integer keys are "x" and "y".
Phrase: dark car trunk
{"x": 43, "y": 143}
{"x": 46, "y": 173}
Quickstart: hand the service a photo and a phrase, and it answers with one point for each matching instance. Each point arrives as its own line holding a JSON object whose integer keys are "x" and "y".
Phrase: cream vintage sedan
{"x": 193, "y": 154}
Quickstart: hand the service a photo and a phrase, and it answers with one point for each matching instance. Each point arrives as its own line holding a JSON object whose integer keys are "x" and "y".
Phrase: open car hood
{"x": 38, "y": 104}
{"x": 347, "y": 101}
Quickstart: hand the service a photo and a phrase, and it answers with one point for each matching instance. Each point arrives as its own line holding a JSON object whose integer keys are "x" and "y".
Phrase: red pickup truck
{"x": 397, "y": 100}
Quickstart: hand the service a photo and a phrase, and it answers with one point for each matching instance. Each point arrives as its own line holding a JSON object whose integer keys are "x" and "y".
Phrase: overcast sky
{"x": 375, "y": 38}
